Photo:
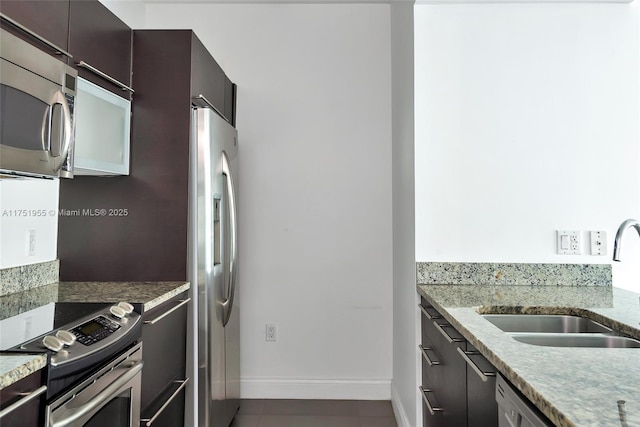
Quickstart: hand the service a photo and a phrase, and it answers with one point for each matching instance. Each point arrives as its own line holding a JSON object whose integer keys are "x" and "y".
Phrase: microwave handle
{"x": 60, "y": 129}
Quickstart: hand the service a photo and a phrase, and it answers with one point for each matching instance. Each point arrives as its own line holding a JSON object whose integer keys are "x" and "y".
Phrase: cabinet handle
{"x": 149, "y": 421}
{"x": 28, "y": 398}
{"x": 426, "y": 356}
{"x": 427, "y": 314}
{"x": 105, "y": 76}
{"x": 166, "y": 313}
{"x": 432, "y": 409}
{"x": 448, "y": 337}
{"x": 208, "y": 104}
{"x": 41, "y": 39}
{"x": 484, "y": 376}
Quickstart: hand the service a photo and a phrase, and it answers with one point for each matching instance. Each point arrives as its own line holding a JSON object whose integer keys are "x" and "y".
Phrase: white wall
{"x": 405, "y": 333}
{"x": 526, "y": 123}
{"x": 314, "y": 123}
{"x": 131, "y": 12}
{"x": 28, "y": 204}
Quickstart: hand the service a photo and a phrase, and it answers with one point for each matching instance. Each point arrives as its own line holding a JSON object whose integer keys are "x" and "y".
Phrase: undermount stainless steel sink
{"x": 577, "y": 340}
{"x": 545, "y": 323}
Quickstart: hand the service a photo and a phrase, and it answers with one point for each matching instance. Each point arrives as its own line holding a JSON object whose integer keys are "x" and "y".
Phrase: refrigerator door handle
{"x": 227, "y": 304}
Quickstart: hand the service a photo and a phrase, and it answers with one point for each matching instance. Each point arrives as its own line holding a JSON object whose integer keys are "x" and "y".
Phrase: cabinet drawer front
{"x": 164, "y": 335}
{"x": 168, "y": 408}
{"x": 29, "y": 414}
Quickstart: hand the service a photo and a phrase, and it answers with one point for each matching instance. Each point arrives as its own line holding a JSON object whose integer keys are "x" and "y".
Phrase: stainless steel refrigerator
{"x": 213, "y": 267}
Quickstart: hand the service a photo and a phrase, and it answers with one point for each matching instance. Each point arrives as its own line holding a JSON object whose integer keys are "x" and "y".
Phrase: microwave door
{"x": 35, "y": 122}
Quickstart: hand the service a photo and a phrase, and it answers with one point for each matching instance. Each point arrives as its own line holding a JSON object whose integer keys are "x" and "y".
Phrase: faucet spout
{"x": 617, "y": 243}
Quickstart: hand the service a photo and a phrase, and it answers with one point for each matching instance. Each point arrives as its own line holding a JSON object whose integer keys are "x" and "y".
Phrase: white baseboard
{"x": 398, "y": 410}
{"x": 287, "y": 388}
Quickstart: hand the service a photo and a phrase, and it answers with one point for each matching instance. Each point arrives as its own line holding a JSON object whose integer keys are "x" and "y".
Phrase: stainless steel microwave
{"x": 37, "y": 93}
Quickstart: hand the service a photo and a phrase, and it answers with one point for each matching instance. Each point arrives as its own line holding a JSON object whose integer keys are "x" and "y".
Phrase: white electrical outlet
{"x": 31, "y": 242}
{"x": 598, "y": 242}
{"x": 271, "y": 332}
{"x": 569, "y": 242}
{"x": 27, "y": 328}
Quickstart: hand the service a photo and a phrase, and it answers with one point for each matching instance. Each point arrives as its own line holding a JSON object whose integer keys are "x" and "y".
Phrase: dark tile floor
{"x": 314, "y": 413}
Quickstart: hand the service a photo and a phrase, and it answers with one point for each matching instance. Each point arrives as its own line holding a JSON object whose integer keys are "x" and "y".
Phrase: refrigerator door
{"x": 218, "y": 311}
{"x": 231, "y": 309}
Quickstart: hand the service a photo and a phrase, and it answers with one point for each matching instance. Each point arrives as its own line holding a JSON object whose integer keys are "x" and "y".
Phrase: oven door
{"x": 108, "y": 398}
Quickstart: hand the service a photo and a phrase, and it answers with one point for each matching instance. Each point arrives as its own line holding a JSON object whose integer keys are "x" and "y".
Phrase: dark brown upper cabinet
{"x": 45, "y": 23}
{"x": 209, "y": 80}
{"x": 101, "y": 45}
{"x": 170, "y": 69}
{"x": 85, "y": 34}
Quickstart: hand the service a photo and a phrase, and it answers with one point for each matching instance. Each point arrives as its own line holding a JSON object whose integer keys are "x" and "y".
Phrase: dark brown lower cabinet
{"x": 458, "y": 383}
{"x": 482, "y": 408}
{"x": 164, "y": 343}
{"x": 22, "y": 403}
{"x": 168, "y": 409}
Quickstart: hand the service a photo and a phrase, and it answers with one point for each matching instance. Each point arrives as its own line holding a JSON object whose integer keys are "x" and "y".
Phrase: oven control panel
{"x": 95, "y": 330}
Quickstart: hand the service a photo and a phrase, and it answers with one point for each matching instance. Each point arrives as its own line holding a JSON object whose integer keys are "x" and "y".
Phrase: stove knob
{"x": 128, "y": 308}
{"x": 66, "y": 337}
{"x": 52, "y": 343}
{"x": 117, "y": 311}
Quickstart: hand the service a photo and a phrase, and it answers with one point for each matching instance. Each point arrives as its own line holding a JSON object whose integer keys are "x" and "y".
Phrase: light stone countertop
{"x": 571, "y": 386}
{"x": 150, "y": 294}
{"x": 14, "y": 367}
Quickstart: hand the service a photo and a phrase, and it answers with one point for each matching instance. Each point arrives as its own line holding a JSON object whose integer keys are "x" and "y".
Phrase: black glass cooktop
{"x": 26, "y": 315}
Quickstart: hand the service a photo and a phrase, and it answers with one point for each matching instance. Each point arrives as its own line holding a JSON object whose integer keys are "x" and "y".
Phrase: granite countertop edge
{"x": 15, "y": 367}
{"x": 149, "y": 294}
{"x": 492, "y": 342}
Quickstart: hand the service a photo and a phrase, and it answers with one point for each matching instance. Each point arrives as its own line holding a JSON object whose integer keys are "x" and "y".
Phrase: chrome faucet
{"x": 617, "y": 243}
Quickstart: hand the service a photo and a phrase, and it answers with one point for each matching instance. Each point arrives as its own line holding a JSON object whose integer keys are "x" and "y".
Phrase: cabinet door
{"x": 29, "y": 414}
{"x": 100, "y": 39}
{"x": 48, "y": 19}
{"x": 482, "y": 408}
{"x": 207, "y": 78}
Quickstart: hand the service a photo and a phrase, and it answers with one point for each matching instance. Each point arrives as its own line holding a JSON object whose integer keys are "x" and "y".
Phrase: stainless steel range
{"x": 93, "y": 376}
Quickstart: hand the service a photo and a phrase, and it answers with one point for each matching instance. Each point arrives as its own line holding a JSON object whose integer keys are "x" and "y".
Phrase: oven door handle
{"x": 101, "y": 397}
